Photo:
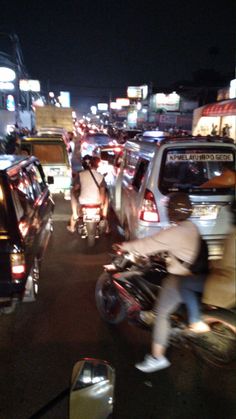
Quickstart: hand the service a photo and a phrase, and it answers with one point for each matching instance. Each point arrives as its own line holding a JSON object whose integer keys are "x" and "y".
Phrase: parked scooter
{"x": 128, "y": 288}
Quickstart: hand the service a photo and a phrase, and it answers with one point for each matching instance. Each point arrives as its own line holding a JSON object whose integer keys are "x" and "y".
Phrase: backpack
{"x": 201, "y": 264}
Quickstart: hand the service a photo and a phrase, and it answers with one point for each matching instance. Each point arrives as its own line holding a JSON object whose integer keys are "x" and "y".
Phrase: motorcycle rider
{"x": 86, "y": 189}
{"x": 181, "y": 241}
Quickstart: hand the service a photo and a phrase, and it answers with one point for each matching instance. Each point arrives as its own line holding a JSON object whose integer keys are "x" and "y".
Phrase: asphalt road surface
{"x": 41, "y": 341}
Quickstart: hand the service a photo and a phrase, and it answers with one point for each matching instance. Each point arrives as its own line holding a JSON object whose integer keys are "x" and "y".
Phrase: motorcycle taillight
{"x": 149, "y": 210}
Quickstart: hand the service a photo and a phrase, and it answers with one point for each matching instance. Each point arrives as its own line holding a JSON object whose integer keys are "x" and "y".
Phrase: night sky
{"x": 100, "y": 47}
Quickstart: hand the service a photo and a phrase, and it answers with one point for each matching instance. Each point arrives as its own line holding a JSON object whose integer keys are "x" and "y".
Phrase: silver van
{"x": 200, "y": 166}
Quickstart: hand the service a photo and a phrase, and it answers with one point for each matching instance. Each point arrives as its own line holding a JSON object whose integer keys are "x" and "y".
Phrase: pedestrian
{"x": 214, "y": 129}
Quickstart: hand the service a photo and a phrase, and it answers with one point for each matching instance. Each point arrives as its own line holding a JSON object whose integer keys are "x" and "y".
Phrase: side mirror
{"x": 92, "y": 389}
{"x": 50, "y": 180}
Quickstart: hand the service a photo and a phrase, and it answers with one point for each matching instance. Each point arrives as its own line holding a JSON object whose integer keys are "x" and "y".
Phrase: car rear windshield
{"x": 210, "y": 170}
{"x": 3, "y": 215}
{"x": 98, "y": 139}
{"x": 49, "y": 153}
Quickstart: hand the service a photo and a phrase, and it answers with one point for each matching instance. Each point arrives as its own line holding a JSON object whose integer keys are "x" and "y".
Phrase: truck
{"x": 53, "y": 117}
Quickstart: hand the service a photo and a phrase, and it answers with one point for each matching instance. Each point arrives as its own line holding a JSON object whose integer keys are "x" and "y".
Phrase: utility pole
{"x": 14, "y": 40}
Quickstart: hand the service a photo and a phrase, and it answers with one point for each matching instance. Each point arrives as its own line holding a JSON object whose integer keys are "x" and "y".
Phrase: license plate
{"x": 91, "y": 214}
{"x": 205, "y": 212}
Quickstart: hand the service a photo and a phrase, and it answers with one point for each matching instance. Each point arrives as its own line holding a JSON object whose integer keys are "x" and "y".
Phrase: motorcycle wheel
{"x": 109, "y": 305}
{"x": 217, "y": 347}
{"x": 91, "y": 231}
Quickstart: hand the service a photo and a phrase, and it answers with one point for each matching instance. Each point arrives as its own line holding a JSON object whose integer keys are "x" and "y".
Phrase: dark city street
{"x": 41, "y": 341}
{"x": 117, "y": 209}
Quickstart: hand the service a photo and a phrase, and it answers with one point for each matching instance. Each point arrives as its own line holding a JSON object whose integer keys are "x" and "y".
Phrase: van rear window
{"x": 197, "y": 170}
{"x": 3, "y": 216}
{"x": 49, "y": 153}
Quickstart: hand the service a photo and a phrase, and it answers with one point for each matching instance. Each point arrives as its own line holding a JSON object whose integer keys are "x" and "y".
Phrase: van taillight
{"x": 149, "y": 209}
{"x": 17, "y": 266}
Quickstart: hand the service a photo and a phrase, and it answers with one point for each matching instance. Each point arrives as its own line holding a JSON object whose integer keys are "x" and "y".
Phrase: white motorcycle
{"x": 91, "y": 225}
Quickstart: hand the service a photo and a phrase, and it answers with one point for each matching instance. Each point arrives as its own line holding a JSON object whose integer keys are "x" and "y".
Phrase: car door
{"x": 43, "y": 206}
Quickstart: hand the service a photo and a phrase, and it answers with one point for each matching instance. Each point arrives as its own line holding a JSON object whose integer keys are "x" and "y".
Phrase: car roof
{"x": 108, "y": 146}
{"x": 178, "y": 140}
{"x": 43, "y": 138}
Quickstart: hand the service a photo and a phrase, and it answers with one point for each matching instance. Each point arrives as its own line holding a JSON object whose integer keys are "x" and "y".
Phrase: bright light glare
{"x": 1, "y": 194}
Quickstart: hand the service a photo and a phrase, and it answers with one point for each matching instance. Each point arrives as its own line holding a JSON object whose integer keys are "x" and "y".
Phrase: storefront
{"x": 216, "y": 119}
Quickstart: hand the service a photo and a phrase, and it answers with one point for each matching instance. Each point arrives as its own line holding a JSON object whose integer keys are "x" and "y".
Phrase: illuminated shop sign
{"x": 168, "y": 102}
{"x": 7, "y": 85}
{"x": 7, "y": 74}
{"x": 29, "y": 85}
{"x": 232, "y": 89}
{"x": 137, "y": 92}
{"x": 122, "y": 102}
{"x": 64, "y": 99}
{"x": 114, "y": 105}
{"x": 134, "y": 92}
{"x": 102, "y": 106}
{"x": 10, "y": 103}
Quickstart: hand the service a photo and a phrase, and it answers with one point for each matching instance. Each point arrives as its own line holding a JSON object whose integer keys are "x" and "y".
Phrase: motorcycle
{"x": 91, "y": 225}
{"x": 128, "y": 288}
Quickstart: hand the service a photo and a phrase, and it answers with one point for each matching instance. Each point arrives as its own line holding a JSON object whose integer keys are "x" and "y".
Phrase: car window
{"x": 198, "y": 170}
{"x": 22, "y": 194}
{"x": 130, "y": 163}
{"x": 98, "y": 139}
{"x": 140, "y": 173}
{"x": 49, "y": 153}
{"x": 38, "y": 183}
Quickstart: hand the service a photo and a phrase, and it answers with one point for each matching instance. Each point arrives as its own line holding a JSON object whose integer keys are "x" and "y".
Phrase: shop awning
{"x": 226, "y": 107}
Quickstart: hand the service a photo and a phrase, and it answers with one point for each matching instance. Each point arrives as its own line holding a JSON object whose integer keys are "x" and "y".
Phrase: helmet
{"x": 86, "y": 161}
{"x": 179, "y": 206}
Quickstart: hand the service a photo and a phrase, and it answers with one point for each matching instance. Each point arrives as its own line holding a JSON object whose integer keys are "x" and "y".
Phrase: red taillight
{"x": 149, "y": 209}
{"x": 17, "y": 266}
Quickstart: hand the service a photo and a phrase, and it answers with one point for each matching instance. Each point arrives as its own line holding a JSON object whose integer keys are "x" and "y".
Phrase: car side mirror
{"x": 92, "y": 389}
{"x": 50, "y": 180}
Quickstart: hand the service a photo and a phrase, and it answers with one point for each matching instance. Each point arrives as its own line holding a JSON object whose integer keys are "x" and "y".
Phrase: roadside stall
{"x": 216, "y": 119}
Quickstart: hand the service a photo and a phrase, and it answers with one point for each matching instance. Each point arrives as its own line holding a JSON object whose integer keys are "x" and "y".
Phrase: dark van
{"x": 26, "y": 209}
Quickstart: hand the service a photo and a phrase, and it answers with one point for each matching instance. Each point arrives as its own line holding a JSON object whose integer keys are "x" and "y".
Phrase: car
{"x": 151, "y": 136}
{"x": 53, "y": 155}
{"x": 91, "y": 140}
{"x": 149, "y": 171}
{"x": 128, "y": 134}
{"x": 26, "y": 209}
{"x": 109, "y": 156}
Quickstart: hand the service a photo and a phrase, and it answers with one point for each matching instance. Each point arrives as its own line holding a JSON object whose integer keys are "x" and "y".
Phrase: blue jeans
{"x": 190, "y": 287}
{"x": 168, "y": 301}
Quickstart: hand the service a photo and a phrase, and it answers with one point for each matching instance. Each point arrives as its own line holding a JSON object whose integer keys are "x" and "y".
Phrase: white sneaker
{"x": 151, "y": 364}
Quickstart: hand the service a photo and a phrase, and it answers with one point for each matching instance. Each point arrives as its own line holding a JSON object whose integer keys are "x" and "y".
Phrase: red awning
{"x": 227, "y": 107}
